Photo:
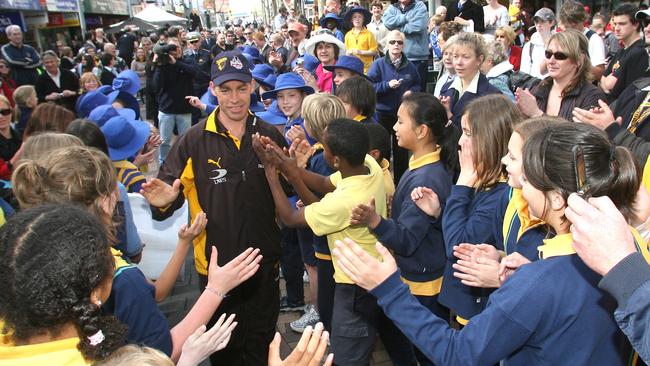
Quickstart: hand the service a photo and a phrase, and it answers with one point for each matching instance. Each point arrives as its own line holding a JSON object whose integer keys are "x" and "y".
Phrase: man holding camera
{"x": 173, "y": 79}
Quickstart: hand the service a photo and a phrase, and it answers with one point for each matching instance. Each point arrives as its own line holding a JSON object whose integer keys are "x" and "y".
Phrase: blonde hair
{"x": 394, "y": 33}
{"x": 4, "y": 100}
{"x": 84, "y": 79}
{"x": 133, "y": 355}
{"x": 45, "y": 143}
{"x": 319, "y": 110}
{"x": 23, "y": 93}
{"x": 75, "y": 174}
{"x": 576, "y": 46}
{"x": 472, "y": 40}
{"x": 496, "y": 53}
{"x": 508, "y": 32}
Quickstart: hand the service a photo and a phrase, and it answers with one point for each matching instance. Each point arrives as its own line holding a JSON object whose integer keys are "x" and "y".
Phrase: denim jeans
{"x": 167, "y": 122}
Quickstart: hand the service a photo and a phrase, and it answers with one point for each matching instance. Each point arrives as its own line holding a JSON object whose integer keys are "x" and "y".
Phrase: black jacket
{"x": 173, "y": 82}
{"x": 45, "y": 86}
{"x": 106, "y": 77}
{"x": 469, "y": 10}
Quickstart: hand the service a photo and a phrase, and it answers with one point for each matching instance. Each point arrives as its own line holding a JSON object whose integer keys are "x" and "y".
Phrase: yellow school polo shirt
{"x": 364, "y": 41}
{"x": 331, "y": 215}
{"x": 61, "y": 353}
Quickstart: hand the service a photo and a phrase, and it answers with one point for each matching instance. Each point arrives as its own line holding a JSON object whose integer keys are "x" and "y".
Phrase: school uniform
{"x": 549, "y": 312}
{"x": 414, "y": 237}
{"x": 363, "y": 40}
{"x": 478, "y": 87}
{"x": 133, "y": 302}
{"x": 514, "y": 229}
{"x": 355, "y": 312}
{"x": 389, "y": 185}
{"x": 467, "y": 219}
{"x": 633, "y": 106}
{"x": 129, "y": 175}
{"x": 60, "y": 352}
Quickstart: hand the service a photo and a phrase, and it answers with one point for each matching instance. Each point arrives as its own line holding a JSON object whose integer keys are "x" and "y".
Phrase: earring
{"x": 99, "y": 303}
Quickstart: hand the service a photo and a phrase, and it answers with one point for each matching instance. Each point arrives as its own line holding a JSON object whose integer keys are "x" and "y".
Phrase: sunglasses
{"x": 560, "y": 56}
{"x": 396, "y": 41}
{"x": 5, "y": 112}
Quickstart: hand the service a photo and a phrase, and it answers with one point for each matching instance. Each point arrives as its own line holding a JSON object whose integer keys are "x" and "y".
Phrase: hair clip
{"x": 580, "y": 170}
{"x": 96, "y": 338}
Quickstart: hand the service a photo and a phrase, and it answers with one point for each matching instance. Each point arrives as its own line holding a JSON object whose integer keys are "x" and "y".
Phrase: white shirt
{"x": 596, "y": 49}
{"x": 495, "y": 18}
{"x": 472, "y": 87}
{"x": 56, "y": 79}
{"x": 443, "y": 79}
{"x": 532, "y": 60}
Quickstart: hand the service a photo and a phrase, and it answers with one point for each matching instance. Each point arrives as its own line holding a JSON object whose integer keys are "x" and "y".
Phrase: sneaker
{"x": 310, "y": 317}
{"x": 286, "y": 306}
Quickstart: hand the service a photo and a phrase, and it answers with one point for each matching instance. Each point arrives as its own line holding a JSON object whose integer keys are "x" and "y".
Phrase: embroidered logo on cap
{"x": 236, "y": 63}
{"x": 221, "y": 63}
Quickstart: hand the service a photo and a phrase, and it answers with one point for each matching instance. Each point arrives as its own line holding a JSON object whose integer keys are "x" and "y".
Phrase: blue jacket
{"x": 25, "y": 62}
{"x": 458, "y": 105}
{"x": 629, "y": 283}
{"x": 382, "y": 71}
{"x": 415, "y": 237}
{"x": 507, "y": 218}
{"x": 467, "y": 219}
{"x": 413, "y": 22}
{"x": 433, "y": 42}
{"x": 549, "y": 313}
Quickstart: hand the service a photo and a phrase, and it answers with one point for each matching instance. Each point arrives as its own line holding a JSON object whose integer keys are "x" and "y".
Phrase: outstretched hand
{"x": 160, "y": 194}
{"x": 427, "y": 200}
{"x": 232, "y": 274}
{"x": 363, "y": 269}
{"x": 309, "y": 351}
{"x": 188, "y": 233}
{"x": 365, "y": 215}
{"x": 201, "y": 344}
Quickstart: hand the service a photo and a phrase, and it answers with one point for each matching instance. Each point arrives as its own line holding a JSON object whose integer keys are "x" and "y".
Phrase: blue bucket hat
{"x": 289, "y": 80}
{"x": 328, "y": 16}
{"x": 269, "y": 82}
{"x": 273, "y": 115}
{"x": 128, "y": 100}
{"x": 350, "y": 63}
{"x": 310, "y": 63}
{"x": 105, "y": 112}
{"x": 358, "y": 9}
{"x": 261, "y": 71}
{"x": 254, "y": 52}
{"x": 125, "y": 137}
{"x": 94, "y": 99}
{"x": 127, "y": 81}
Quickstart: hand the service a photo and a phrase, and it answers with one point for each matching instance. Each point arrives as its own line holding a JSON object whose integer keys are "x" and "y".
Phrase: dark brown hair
{"x": 48, "y": 117}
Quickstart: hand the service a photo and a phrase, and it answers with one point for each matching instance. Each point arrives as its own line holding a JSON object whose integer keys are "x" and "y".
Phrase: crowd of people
{"x": 471, "y": 187}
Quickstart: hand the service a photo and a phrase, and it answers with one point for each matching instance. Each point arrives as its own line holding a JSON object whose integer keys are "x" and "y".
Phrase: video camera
{"x": 162, "y": 51}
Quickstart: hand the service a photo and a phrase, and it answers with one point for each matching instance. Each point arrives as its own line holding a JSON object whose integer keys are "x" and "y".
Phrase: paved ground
{"x": 186, "y": 292}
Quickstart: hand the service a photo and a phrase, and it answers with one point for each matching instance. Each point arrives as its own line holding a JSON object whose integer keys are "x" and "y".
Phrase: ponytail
{"x": 449, "y": 147}
{"x": 29, "y": 181}
{"x": 99, "y": 334}
{"x": 625, "y": 178}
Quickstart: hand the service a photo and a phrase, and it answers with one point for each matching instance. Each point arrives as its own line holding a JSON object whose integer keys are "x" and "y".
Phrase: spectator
{"x": 506, "y": 35}
{"x": 173, "y": 81}
{"x": 359, "y": 41}
{"x": 21, "y": 57}
{"x": 434, "y": 27}
{"x": 248, "y": 34}
{"x": 126, "y": 46}
{"x": 278, "y": 55}
{"x": 393, "y": 76}
{"x": 377, "y": 26}
{"x": 447, "y": 72}
{"x": 333, "y": 22}
{"x": 120, "y": 64}
{"x": 410, "y": 17}
{"x": 280, "y": 19}
{"x": 67, "y": 62}
{"x": 297, "y": 34}
{"x": 497, "y": 69}
{"x": 87, "y": 64}
{"x": 48, "y": 117}
{"x": 7, "y": 83}
{"x": 569, "y": 83}
{"x": 532, "y": 55}
{"x": 261, "y": 44}
{"x": 139, "y": 65}
{"x": 220, "y": 46}
{"x": 56, "y": 84}
{"x": 99, "y": 38}
{"x": 10, "y": 139}
{"x": 26, "y": 100}
{"x": 495, "y": 15}
{"x": 88, "y": 82}
{"x": 468, "y": 14}
{"x": 631, "y": 62}
{"x": 108, "y": 73}
{"x": 326, "y": 48}
{"x": 573, "y": 16}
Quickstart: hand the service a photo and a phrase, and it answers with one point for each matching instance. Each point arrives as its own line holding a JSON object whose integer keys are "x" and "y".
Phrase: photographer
{"x": 173, "y": 79}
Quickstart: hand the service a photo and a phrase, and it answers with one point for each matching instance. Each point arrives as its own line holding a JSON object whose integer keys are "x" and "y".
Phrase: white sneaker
{"x": 310, "y": 317}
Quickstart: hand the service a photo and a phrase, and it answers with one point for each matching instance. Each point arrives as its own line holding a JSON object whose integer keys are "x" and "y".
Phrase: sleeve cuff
{"x": 382, "y": 228}
{"x": 612, "y": 130}
{"x": 460, "y": 189}
{"x": 626, "y": 276}
{"x": 388, "y": 286}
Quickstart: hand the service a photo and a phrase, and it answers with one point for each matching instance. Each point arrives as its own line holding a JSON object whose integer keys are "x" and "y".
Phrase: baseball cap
{"x": 544, "y": 14}
{"x": 297, "y": 27}
{"x": 642, "y": 14}
{"x": 230, "y": 65}
{"x": 192, "y": 36}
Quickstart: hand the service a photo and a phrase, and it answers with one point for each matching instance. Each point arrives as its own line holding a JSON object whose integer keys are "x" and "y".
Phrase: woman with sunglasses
{"x": 10, "y": 140}
{"x": 7, "y": 83}
{"x": 568, "y": 84}
{"x": 393, "y": 76}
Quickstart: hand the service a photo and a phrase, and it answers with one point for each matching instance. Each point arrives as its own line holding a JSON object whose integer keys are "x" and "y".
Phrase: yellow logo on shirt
{"x": 221, "y": 63}
{"x": 217, "y": 163}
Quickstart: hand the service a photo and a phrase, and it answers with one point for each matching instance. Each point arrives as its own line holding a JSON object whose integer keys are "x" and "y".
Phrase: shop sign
{"x": 61, "y": 5}
{"x": 21, "y": 4}
{"x": 116, "y": 7}
{"x": 62, "y": 20}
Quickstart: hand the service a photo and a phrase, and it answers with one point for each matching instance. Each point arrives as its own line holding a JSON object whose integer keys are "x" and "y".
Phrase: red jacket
{"x": 7, "y": 87}
{"x": 515, "y": 57}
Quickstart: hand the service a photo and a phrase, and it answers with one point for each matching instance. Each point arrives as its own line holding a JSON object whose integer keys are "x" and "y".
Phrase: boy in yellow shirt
{"x": 358, "y": 179}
